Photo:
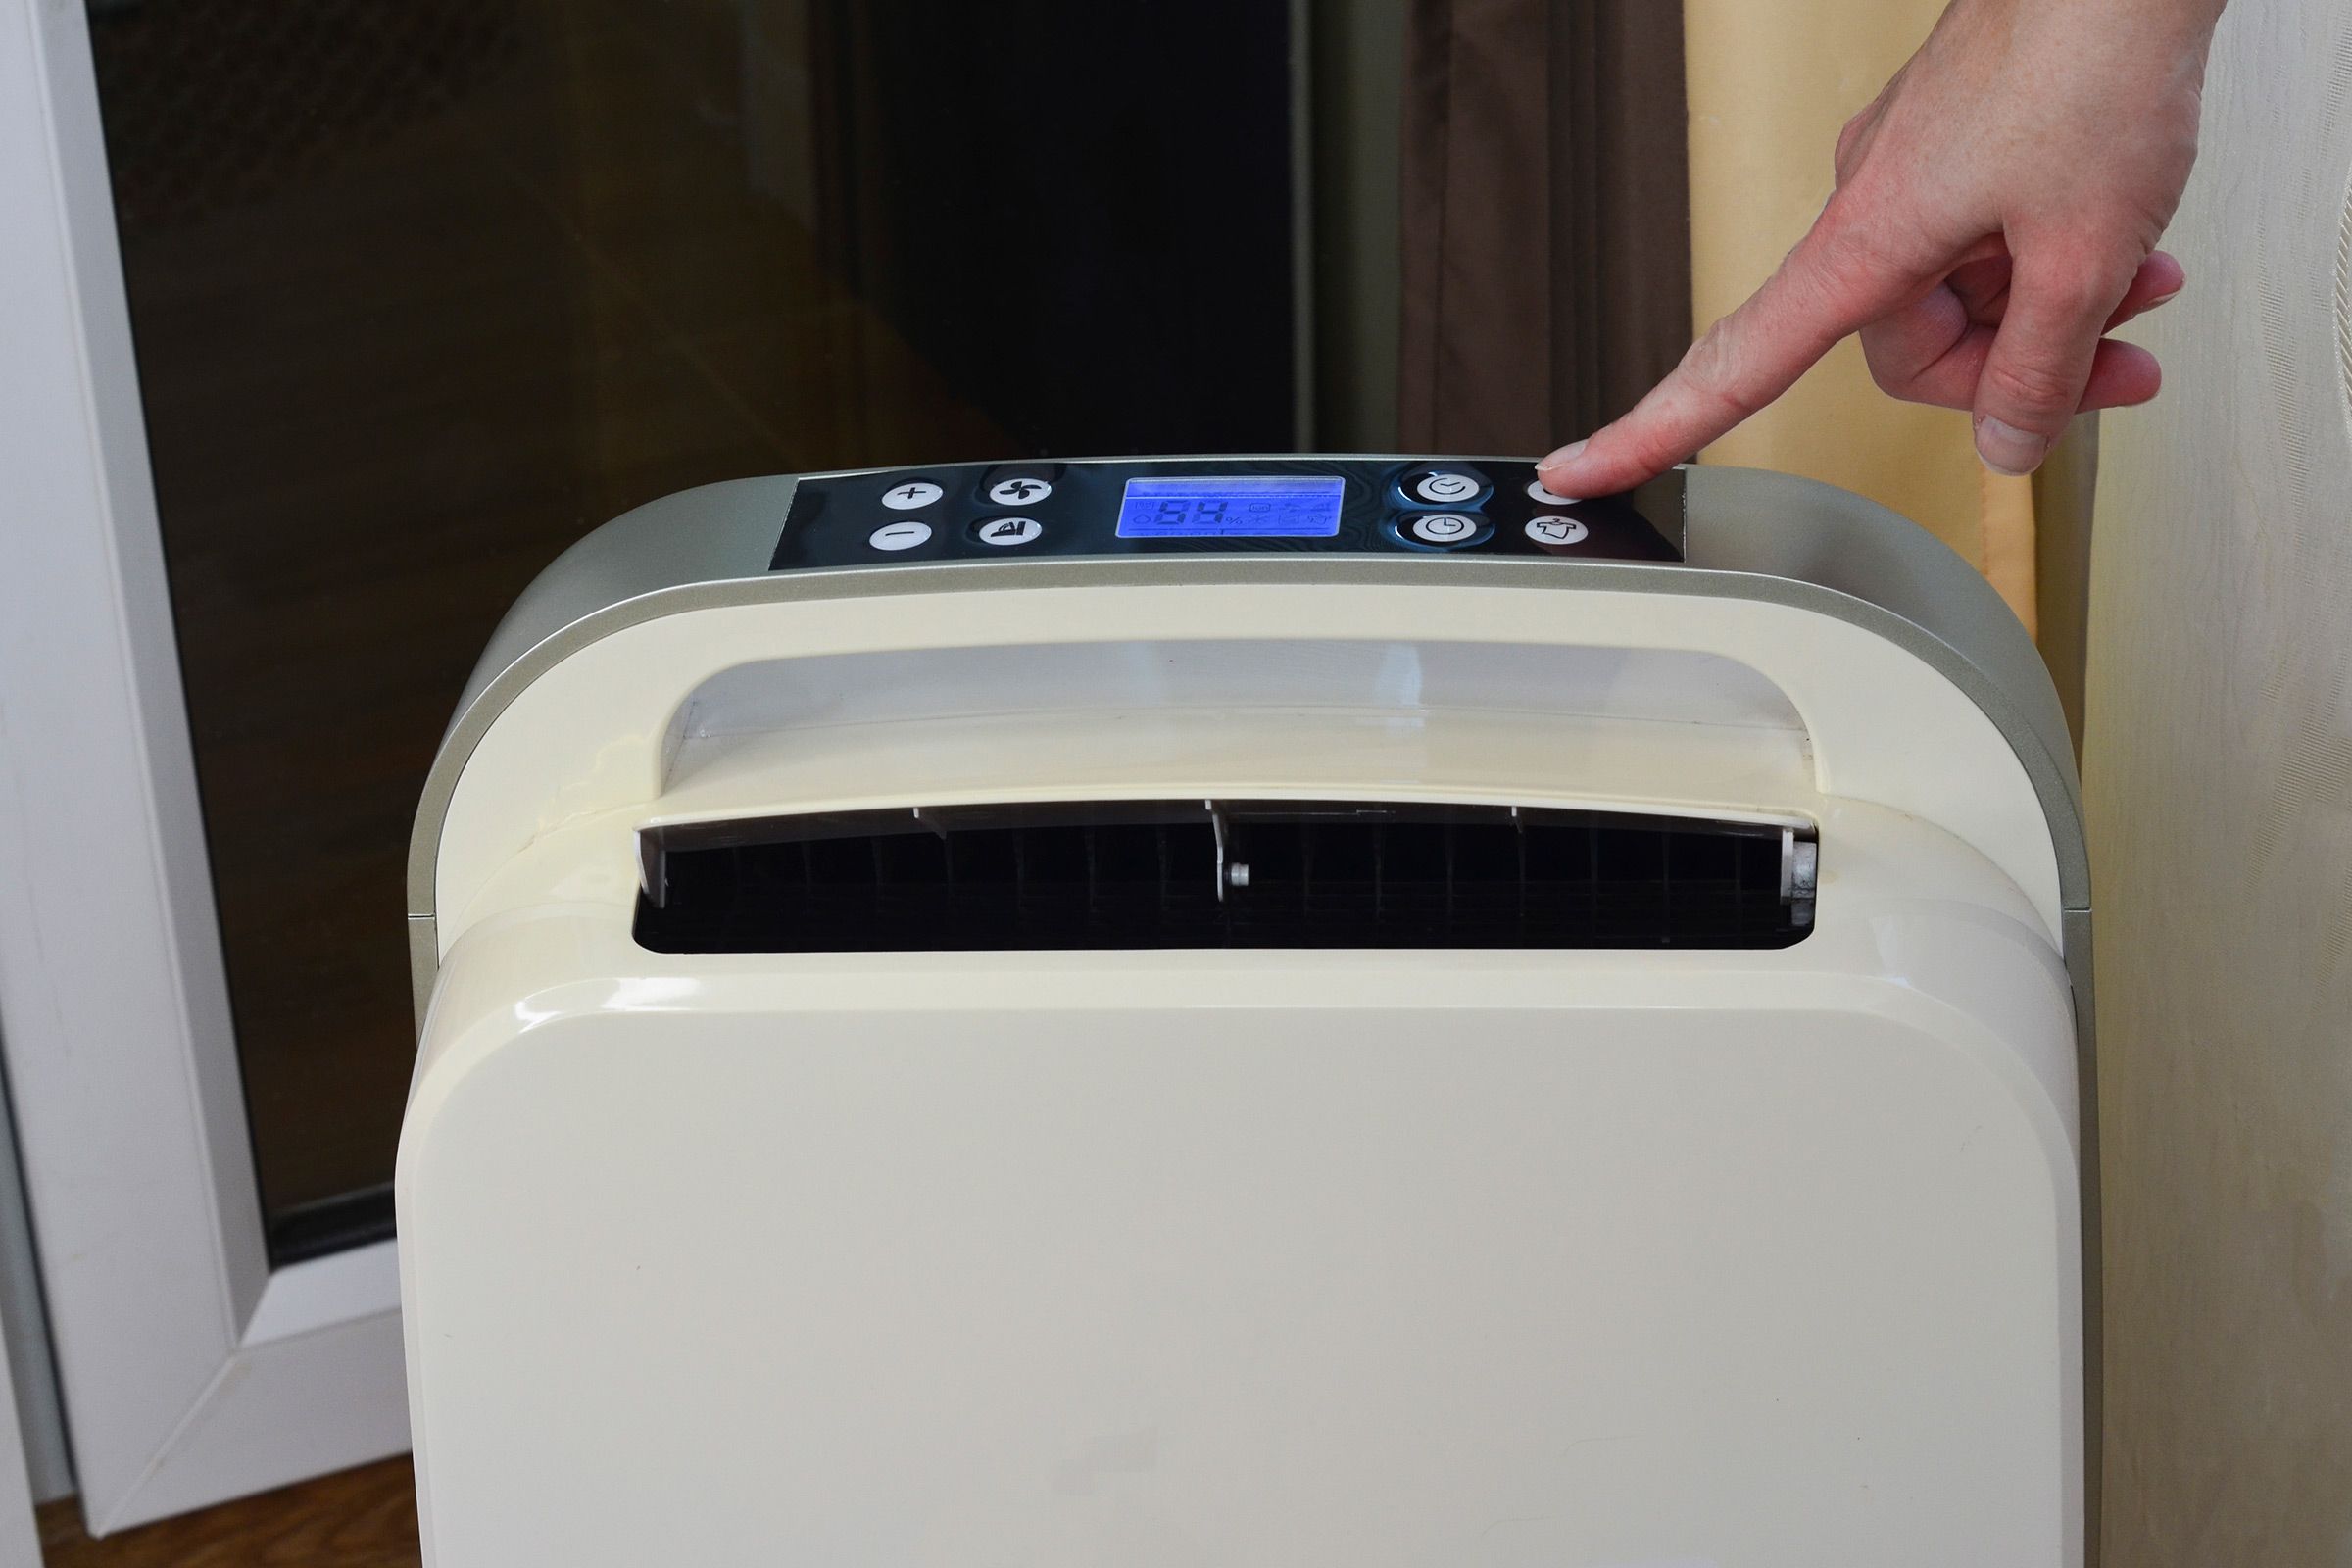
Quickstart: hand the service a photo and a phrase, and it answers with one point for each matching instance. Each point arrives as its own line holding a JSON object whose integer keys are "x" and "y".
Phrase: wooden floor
{"x": 363, "y": 1518}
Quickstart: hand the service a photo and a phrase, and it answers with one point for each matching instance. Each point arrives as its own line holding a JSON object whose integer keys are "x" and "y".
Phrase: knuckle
{"x": 1861, "y": 226}
{"x": 1849, "y": 137}
{"x": 2081, "y": 277}
{"x": 2083, "y": 289}
{"x": 1845, "y": 245}
{"x": 2034, "y": 388}
{"x": 1712, "y": 372}
{"x": 1884, "y": 377}
{"x": 1852, "y": 253}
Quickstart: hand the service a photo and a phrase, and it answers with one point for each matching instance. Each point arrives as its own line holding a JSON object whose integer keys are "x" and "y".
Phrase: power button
{"x": 1441, "y": 487}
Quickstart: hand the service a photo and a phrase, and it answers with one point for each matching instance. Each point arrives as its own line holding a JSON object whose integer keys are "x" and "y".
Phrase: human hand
{"x": 1996, "y": 213}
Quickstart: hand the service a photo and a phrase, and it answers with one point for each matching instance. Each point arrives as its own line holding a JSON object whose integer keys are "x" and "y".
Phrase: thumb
{"x": 2040, "y": 360}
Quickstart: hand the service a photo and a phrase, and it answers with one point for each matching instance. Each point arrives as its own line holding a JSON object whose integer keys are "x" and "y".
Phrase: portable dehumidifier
{"x": 1253, "y": 1011}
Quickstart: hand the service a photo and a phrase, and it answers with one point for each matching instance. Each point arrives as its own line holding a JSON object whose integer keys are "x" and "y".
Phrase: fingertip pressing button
{"x": 1537, "y": 492}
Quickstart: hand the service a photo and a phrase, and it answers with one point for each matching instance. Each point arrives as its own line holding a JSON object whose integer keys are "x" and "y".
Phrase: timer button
{"x": 1442, "y": 530}
{"x": 899, "y": 535}
{"x": 910, "y": 495}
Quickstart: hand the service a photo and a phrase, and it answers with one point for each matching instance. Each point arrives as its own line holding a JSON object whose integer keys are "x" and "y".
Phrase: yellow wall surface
{"x": 1770, "y": 87}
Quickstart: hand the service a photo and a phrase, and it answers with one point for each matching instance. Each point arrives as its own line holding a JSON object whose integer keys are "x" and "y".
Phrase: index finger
{"x": 1831, "y": 285}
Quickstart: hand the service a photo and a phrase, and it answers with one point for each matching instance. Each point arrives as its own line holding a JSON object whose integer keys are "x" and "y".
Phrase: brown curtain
{"x": 1546, "y": 232}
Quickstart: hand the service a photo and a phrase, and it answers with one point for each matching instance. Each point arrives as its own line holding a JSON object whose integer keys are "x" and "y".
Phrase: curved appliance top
{"x": 1701, "y": 532}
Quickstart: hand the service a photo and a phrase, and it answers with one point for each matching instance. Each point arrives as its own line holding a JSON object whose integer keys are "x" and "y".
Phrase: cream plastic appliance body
{"x": 1605, "y": 1257}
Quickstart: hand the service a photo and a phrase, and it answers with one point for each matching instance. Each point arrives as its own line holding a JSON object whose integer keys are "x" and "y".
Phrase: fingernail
{"x": 2007, "y": 450}
{"x": 1567, "y": 454}
{"x": 2165, "y": 298}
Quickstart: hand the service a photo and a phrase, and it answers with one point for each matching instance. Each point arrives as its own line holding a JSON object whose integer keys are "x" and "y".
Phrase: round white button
{"x": 909, "y": 496}
{"x": 1008, "y": 531}
{"x": 1018, "y": 491}
{"x": 899, "y": 535}
{"x": 1447, "y": 487}
{"x": 1557, "y": 532}
{"x": 1537, "y": 492}
{"x": 1442, "y": 528}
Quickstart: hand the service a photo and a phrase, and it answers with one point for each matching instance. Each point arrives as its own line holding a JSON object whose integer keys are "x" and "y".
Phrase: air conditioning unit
{"x": 1259, "y": 1012}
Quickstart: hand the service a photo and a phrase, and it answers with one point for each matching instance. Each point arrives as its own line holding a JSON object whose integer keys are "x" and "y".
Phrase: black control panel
{"x": 1218, "y": 506}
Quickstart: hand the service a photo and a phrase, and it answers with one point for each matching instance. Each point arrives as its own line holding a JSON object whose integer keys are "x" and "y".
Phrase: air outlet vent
{"x": 1222, "y": 874}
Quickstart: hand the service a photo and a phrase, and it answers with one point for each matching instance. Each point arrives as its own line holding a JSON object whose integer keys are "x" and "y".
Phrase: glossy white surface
{"x": 597, "y": 731}
{"x": 1406, "y": 680}
{"x": 1386, "y": 1258}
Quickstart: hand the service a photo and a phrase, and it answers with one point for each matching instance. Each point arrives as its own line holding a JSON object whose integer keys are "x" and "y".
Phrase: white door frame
{"x": 191, "y": 1372}
{"x": 19, "y": 1531}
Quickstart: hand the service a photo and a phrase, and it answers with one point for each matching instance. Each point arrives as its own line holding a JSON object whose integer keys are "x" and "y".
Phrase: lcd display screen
{"x": 1210, "y": 506}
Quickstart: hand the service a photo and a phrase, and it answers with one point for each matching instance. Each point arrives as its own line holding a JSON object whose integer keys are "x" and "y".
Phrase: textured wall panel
{"x": 2220, "y": 790}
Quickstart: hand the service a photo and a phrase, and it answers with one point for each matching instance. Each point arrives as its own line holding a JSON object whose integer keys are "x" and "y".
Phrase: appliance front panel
{"x": 956, "y": 1263}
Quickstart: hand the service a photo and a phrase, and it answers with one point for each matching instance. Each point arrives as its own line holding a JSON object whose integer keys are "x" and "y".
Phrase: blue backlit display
{"x": 1209, "y": 506}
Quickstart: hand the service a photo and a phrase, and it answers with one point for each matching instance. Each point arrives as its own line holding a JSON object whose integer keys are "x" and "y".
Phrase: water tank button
{"x": 1005, "y": 532}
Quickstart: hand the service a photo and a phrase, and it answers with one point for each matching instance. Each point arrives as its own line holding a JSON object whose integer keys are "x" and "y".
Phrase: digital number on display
{"x": 1260, "y": 506}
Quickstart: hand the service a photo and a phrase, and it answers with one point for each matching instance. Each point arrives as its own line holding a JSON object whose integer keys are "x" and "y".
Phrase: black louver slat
{"x": 1235, "y": 874}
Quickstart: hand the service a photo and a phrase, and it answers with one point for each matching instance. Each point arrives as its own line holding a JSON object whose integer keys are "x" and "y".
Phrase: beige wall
{"x": 1771, "y": 84}
{"x": 2218, "y": 774}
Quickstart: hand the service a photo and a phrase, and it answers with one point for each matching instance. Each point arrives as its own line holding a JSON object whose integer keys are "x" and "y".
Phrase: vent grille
{"x": 1222, "y": 874}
